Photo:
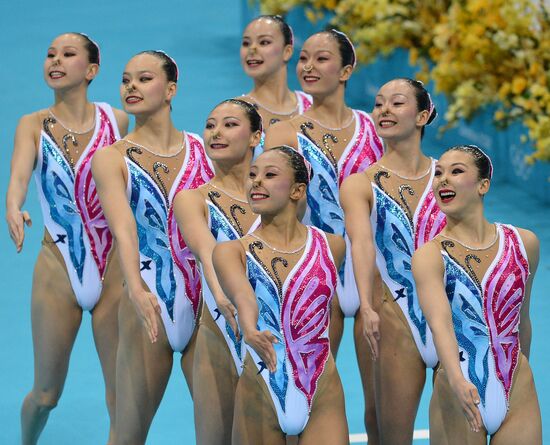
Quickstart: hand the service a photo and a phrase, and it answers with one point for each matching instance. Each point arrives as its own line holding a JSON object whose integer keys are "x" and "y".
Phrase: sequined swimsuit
{"x": 225, "y": 226}
{"x": 304, "y": 102}
{"x": 167, "y": 266}
{"x": 398, "y": 232}
{"x": 72, "y": 214}
{"x": 323, "y": 195}
{"x": 296, "y": 311}
{"x": 486, "y": 315}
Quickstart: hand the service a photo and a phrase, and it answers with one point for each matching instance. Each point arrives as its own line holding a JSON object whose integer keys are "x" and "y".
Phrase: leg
{"x": 105, "y": 328}
{"x": 523, "y": 422}
{"x": 448, "y": 425}
{"x": 56, "y": 318}
{"x": 327, "y": 424}
{"x": 336, "y": 328}
{"x": 400, "y": 375}
{"x": 142, "y": 372}
{"x": 187, "y": 361}
{"x": 366, "y": 369}
{"x": 254, "y": 419}
{"x": 214, "y": 384}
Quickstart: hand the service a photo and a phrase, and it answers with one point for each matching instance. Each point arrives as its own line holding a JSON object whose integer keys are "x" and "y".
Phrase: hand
{"x": 262, "y": 343}
{"x": 147, "y": 307}
{"x": 371, "y": 329}
{"x": 229, "y": 312}
{"x": 468, "y": 397}
{"x": 17, "y": 220}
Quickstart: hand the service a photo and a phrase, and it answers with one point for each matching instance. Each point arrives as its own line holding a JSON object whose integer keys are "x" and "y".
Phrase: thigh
{"x": 448, "y": 424}
{"x": 214, "y": 383}
{"x": 327, "y": 424}
{"x": 254, "y": 420}
{"x": 56, "y": 318}
{"x": 523, "y": 422}
{"x": 142, "y": 372}
{"x": 400, "y": 374}
{"x": 336, "y": 327}
{"x": 105, "y": 319}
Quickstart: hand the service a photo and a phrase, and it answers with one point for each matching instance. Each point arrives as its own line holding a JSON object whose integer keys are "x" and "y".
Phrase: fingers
{"x": 265, "y": 340}
{"x": 232, "y": 321}
{"x": 474, "y": 402}
{"x": 152, "y": 318}
{"x": 27, "y": 218}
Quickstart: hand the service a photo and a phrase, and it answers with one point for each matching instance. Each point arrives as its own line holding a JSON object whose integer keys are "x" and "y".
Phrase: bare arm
{"x": 280, "y": 133}
{"x": 122, "y": 121}
{"x": 230, "y": 264}
{"x": 356, "y": 198}
{"x": 108, "y": 170}
{"x": 428, "y": 271}
{"x": 190, "y": 212}
{"x": 532, "y": 248}
{"x": 22, "y": 165}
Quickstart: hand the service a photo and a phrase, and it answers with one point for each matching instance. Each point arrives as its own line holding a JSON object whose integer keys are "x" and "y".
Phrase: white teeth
{"x": 385, "y": 124}
{"x": 447, "y": 194}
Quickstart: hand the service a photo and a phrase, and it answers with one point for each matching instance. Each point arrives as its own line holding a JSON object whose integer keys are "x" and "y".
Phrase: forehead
{"x": 272, "y": 158}
{"x": 228, "y": 109}
{"x": 397, "y": 86}
{"x": 144, "y": 62}
{"x": 68, "y": 40}
{"x": 261, "y": 26}
{"x": 454, "y": 156}
{"x": 320, "y": 42}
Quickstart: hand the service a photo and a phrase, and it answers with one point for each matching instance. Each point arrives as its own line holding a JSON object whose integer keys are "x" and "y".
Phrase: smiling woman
{"x": 474, "y": 283}
{"x": 137, "y": 179}
{"x": 76, "y": 269}
{"x": 289, "y": 385}
{"x": 215, "y": 212}
{"x": 390, "y": 212}
{"x": 338, "y": 142}
{"x": 266, "y": 48}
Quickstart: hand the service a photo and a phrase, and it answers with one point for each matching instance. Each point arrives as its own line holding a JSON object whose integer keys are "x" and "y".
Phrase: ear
{"x": 297, "y": 191}
{"x": 93, "y": 69}
{"x": 345, "y": 73}
{"x": 422, "y": 118}
{"x": 484, "y": 186}
{"x": 287, "y": 53}
{"x": 171, "y": 90}
{"x": 255, "y": 139}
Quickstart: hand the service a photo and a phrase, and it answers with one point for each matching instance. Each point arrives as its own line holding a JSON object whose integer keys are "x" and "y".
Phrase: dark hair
{"x": 284, "y": 27}
{"x": 423, "y": 99}
{"x": 481, "y": 160}
{"x": 250, "y": 110}
{"x": 91, "y": 46}
{"x": 169, "y": 65}
{"x": 345, "y": 47}
{"x": 298, "y": 163}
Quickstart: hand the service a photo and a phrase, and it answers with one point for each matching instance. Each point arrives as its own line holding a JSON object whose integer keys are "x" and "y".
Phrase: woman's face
{"x": 395, "y": 111}
{"x": 271, "y": 184}
{"x": 456, "y": 183}
{"x": 319, "y": 67}
{"x": 144, "y": 87}
{"x": 227, "y": 133}
{"x": 263, "y": 50}
{"x": 67, "y": 63}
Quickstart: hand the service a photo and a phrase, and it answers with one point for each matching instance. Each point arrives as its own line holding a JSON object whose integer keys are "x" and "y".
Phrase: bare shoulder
{"x": 226, "y": 252}
{"x": 532, "y": 247}
{"x": 108, "y": 156}
{"x": 336, "y": 243}
{"x": 427, "y": 258}
{"x": 189, "y": 198}
{"x": 280, "y": 133}
{"x": 357, "y": 183}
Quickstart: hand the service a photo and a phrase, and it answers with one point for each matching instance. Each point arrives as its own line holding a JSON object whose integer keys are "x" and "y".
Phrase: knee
{"x": 45, "y": 400}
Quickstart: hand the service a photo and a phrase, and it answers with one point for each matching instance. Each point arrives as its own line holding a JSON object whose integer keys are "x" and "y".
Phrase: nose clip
{"x": 307, "y": 68}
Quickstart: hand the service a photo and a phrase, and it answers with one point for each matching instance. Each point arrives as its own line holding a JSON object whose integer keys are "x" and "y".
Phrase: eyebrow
{"x": 139, "y": 72}
{"x": 64, "y": 47}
